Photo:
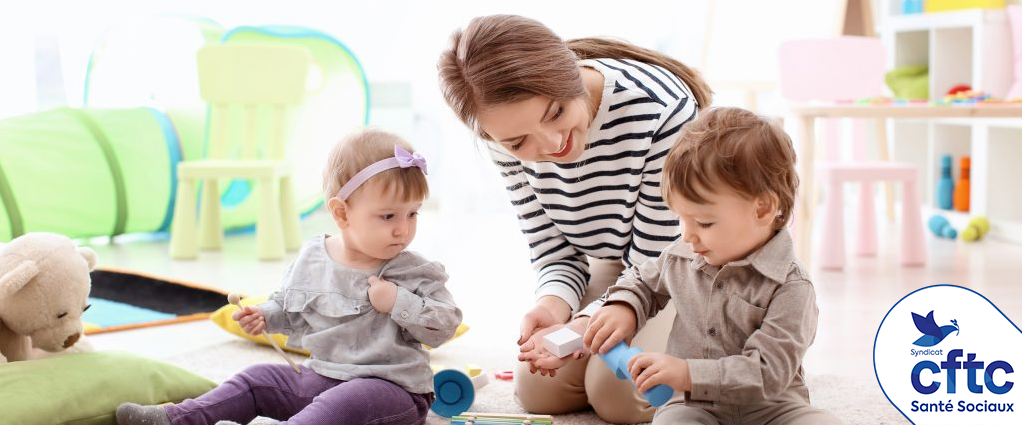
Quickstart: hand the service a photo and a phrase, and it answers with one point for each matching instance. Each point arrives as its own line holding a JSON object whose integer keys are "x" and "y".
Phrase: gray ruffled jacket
{"x": 324, "y": 307}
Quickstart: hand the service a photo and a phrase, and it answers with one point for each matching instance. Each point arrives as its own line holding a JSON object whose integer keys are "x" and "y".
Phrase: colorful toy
{"x": 562, "y": 342}
{"x": 506, "y": 375}
{"x": 968, "y": 96}
{"x": 236, "y": 300}
{"x": 502, "y": 419}
{"x": 909, "y": 7}
{"x": 945, "y": 186}
{"x": 617, "y": 360}
{"x": 941, "y": 227}
{"x": 455, "y": 391}
{"x": 976, "y": 229}
{"x": 909, "y": 81}
{"x": 932, "y": 6}
{"x": 962, "y": 188}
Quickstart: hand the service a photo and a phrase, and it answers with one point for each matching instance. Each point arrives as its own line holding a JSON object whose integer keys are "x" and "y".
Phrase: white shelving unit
{"x": 962, "y": 47}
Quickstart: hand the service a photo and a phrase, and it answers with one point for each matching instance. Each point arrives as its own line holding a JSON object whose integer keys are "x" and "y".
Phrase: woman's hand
{"x": 542, "y": 360}
{"x": 547, "y": 312}
{"x": 651, "y": 369}
{"x": 382, "y": 294}
{"x": 251, "y": 320}
{"x": 611, "y": 324}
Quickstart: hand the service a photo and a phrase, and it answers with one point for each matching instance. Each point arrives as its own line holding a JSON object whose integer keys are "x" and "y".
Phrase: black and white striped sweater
{"x": 607, "y": 204}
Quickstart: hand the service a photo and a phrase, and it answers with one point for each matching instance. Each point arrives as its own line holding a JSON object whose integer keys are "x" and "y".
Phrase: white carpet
{"x": 856, "y": 401}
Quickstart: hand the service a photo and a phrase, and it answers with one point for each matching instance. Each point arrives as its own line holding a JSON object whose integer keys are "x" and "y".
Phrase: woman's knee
{"x": 546, "y": 395}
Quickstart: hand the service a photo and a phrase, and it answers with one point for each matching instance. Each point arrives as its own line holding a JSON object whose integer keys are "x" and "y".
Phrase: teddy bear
{"x": 44, "y": 289}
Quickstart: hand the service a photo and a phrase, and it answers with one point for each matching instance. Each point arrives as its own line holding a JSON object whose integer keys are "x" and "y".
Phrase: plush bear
{"x": 44, "y": 289}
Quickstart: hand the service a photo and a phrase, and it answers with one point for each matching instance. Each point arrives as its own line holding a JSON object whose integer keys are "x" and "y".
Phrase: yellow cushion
{"x": 222, "y": 318}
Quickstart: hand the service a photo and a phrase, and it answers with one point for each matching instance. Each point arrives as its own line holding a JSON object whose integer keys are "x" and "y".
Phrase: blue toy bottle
{"x": 617, "y": 360}
{"x": 941, "y": 227}
{"x": 909, "y": 7}
{"x": 946, "y": 185}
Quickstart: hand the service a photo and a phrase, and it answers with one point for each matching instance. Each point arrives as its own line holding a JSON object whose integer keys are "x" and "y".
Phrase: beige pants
{"x": 588, "y": 381}
{"x": 791, "y": 412}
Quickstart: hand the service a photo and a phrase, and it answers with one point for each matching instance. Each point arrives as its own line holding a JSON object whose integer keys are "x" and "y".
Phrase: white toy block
{"x": 562, "y": 342}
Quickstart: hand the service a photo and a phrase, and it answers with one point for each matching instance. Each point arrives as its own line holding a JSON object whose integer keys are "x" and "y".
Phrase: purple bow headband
{"x": 401, "y": 158}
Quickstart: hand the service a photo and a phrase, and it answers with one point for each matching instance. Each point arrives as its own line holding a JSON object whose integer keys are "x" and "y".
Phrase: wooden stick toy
{"x": 236, "y": 300}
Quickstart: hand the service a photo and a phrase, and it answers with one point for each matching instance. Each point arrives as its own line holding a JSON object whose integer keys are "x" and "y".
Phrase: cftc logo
{"x": 932, "y": 334}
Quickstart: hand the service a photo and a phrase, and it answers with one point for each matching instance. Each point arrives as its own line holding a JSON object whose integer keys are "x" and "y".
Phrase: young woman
{"x": 579, "y": 129}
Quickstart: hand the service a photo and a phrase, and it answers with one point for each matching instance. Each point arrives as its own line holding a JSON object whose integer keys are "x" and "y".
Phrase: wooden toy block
{"x": 473, "y": 370}
{"x": 562, "y": 342}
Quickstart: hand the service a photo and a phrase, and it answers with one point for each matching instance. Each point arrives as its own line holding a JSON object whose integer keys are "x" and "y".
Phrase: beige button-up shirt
{"x": 743, "y": 327}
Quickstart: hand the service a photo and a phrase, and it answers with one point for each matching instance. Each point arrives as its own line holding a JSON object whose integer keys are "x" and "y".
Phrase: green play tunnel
{"x": 87, "y": 172}
{"x": 110, "y": 168}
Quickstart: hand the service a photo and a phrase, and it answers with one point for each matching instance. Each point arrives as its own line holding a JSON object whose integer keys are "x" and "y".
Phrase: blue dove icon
{"x": 932, "y": 334}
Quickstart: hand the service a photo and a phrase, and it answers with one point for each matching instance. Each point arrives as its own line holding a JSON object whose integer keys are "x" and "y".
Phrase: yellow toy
{"x": 976, "y": 228}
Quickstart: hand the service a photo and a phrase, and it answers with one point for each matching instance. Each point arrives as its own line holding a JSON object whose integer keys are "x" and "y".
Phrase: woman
{"x": 579, "y": 130}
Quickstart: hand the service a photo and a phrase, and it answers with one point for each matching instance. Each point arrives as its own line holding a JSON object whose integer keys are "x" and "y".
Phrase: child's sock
{"x": 134, "y": 414}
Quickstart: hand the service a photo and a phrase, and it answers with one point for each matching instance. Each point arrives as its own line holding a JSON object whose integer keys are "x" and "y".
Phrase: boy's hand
{"x": 382, "y": 294}
{"x": 251, "y": 320}
{"x": 542, "y": 360}
{"x": 651, "y": 369}
{"x": 611, "y": 324}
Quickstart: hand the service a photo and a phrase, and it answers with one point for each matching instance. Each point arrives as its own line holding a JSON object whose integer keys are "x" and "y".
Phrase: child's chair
{"x": 249, "y": 88}
{"x": 845, "y": 69}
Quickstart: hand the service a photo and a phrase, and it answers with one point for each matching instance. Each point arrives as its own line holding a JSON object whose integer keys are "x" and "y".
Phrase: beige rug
{"x": 855, "y": 400}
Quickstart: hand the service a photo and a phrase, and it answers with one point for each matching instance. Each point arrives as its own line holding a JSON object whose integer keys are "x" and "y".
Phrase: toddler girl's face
{"x": 726, "y": 228}
{"x": 380, "y": 224}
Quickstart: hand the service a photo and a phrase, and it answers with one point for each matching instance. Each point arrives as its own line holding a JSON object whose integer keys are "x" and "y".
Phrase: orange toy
{"x": 961, "y": 202}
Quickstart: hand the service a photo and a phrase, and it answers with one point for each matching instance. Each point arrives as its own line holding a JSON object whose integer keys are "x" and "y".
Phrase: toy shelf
{"x": 960, "y": 47}
{"x": 995, "y": 151}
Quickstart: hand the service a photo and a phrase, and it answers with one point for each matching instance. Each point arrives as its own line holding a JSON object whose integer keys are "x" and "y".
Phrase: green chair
{"x": 249, "y": 88}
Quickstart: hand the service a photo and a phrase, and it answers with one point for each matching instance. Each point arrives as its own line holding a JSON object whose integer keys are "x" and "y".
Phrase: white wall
{"x": 398, "y": 43}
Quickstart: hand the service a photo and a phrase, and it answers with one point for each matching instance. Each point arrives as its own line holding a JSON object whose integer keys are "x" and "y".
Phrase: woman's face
{"x": 539, "y": 128}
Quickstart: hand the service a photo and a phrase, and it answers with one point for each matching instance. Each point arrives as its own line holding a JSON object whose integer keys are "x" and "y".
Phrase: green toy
{"x": 976, "y": 229}
{"x": 909, "y": 82}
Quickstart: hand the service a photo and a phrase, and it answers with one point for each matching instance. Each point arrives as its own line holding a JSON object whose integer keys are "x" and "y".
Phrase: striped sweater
{"x": 607, "y": 204}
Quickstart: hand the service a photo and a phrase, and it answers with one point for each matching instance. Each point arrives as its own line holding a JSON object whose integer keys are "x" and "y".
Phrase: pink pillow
{"x": 1015, "y": 22}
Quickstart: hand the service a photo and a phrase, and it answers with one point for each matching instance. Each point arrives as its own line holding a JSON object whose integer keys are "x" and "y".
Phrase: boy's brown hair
{"x": 748, "y": 153}
{"x": 360, "y": 150}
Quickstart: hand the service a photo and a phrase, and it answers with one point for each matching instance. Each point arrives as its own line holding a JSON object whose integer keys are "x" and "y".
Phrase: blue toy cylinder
{"x": 617, "y": 360}
{"x": 946, "y": 185}
{"x": 941, "y": 227}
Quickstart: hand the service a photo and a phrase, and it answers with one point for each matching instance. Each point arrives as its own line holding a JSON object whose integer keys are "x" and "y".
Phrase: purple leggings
{"x": 277, "y": 392}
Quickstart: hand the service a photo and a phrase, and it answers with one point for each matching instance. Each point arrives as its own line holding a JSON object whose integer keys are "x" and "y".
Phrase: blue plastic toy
{"x": 617, "y": 360}
{"x": 946, "y": 185}
{"x": 941, "y": 227}
{"x": 909, "y": 7}
{"x": 455, "y": 391}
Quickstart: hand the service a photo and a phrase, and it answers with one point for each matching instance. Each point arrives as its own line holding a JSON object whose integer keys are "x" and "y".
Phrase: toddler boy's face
{"x": 381, "y": 224}
{"x": 726, "y": 228}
